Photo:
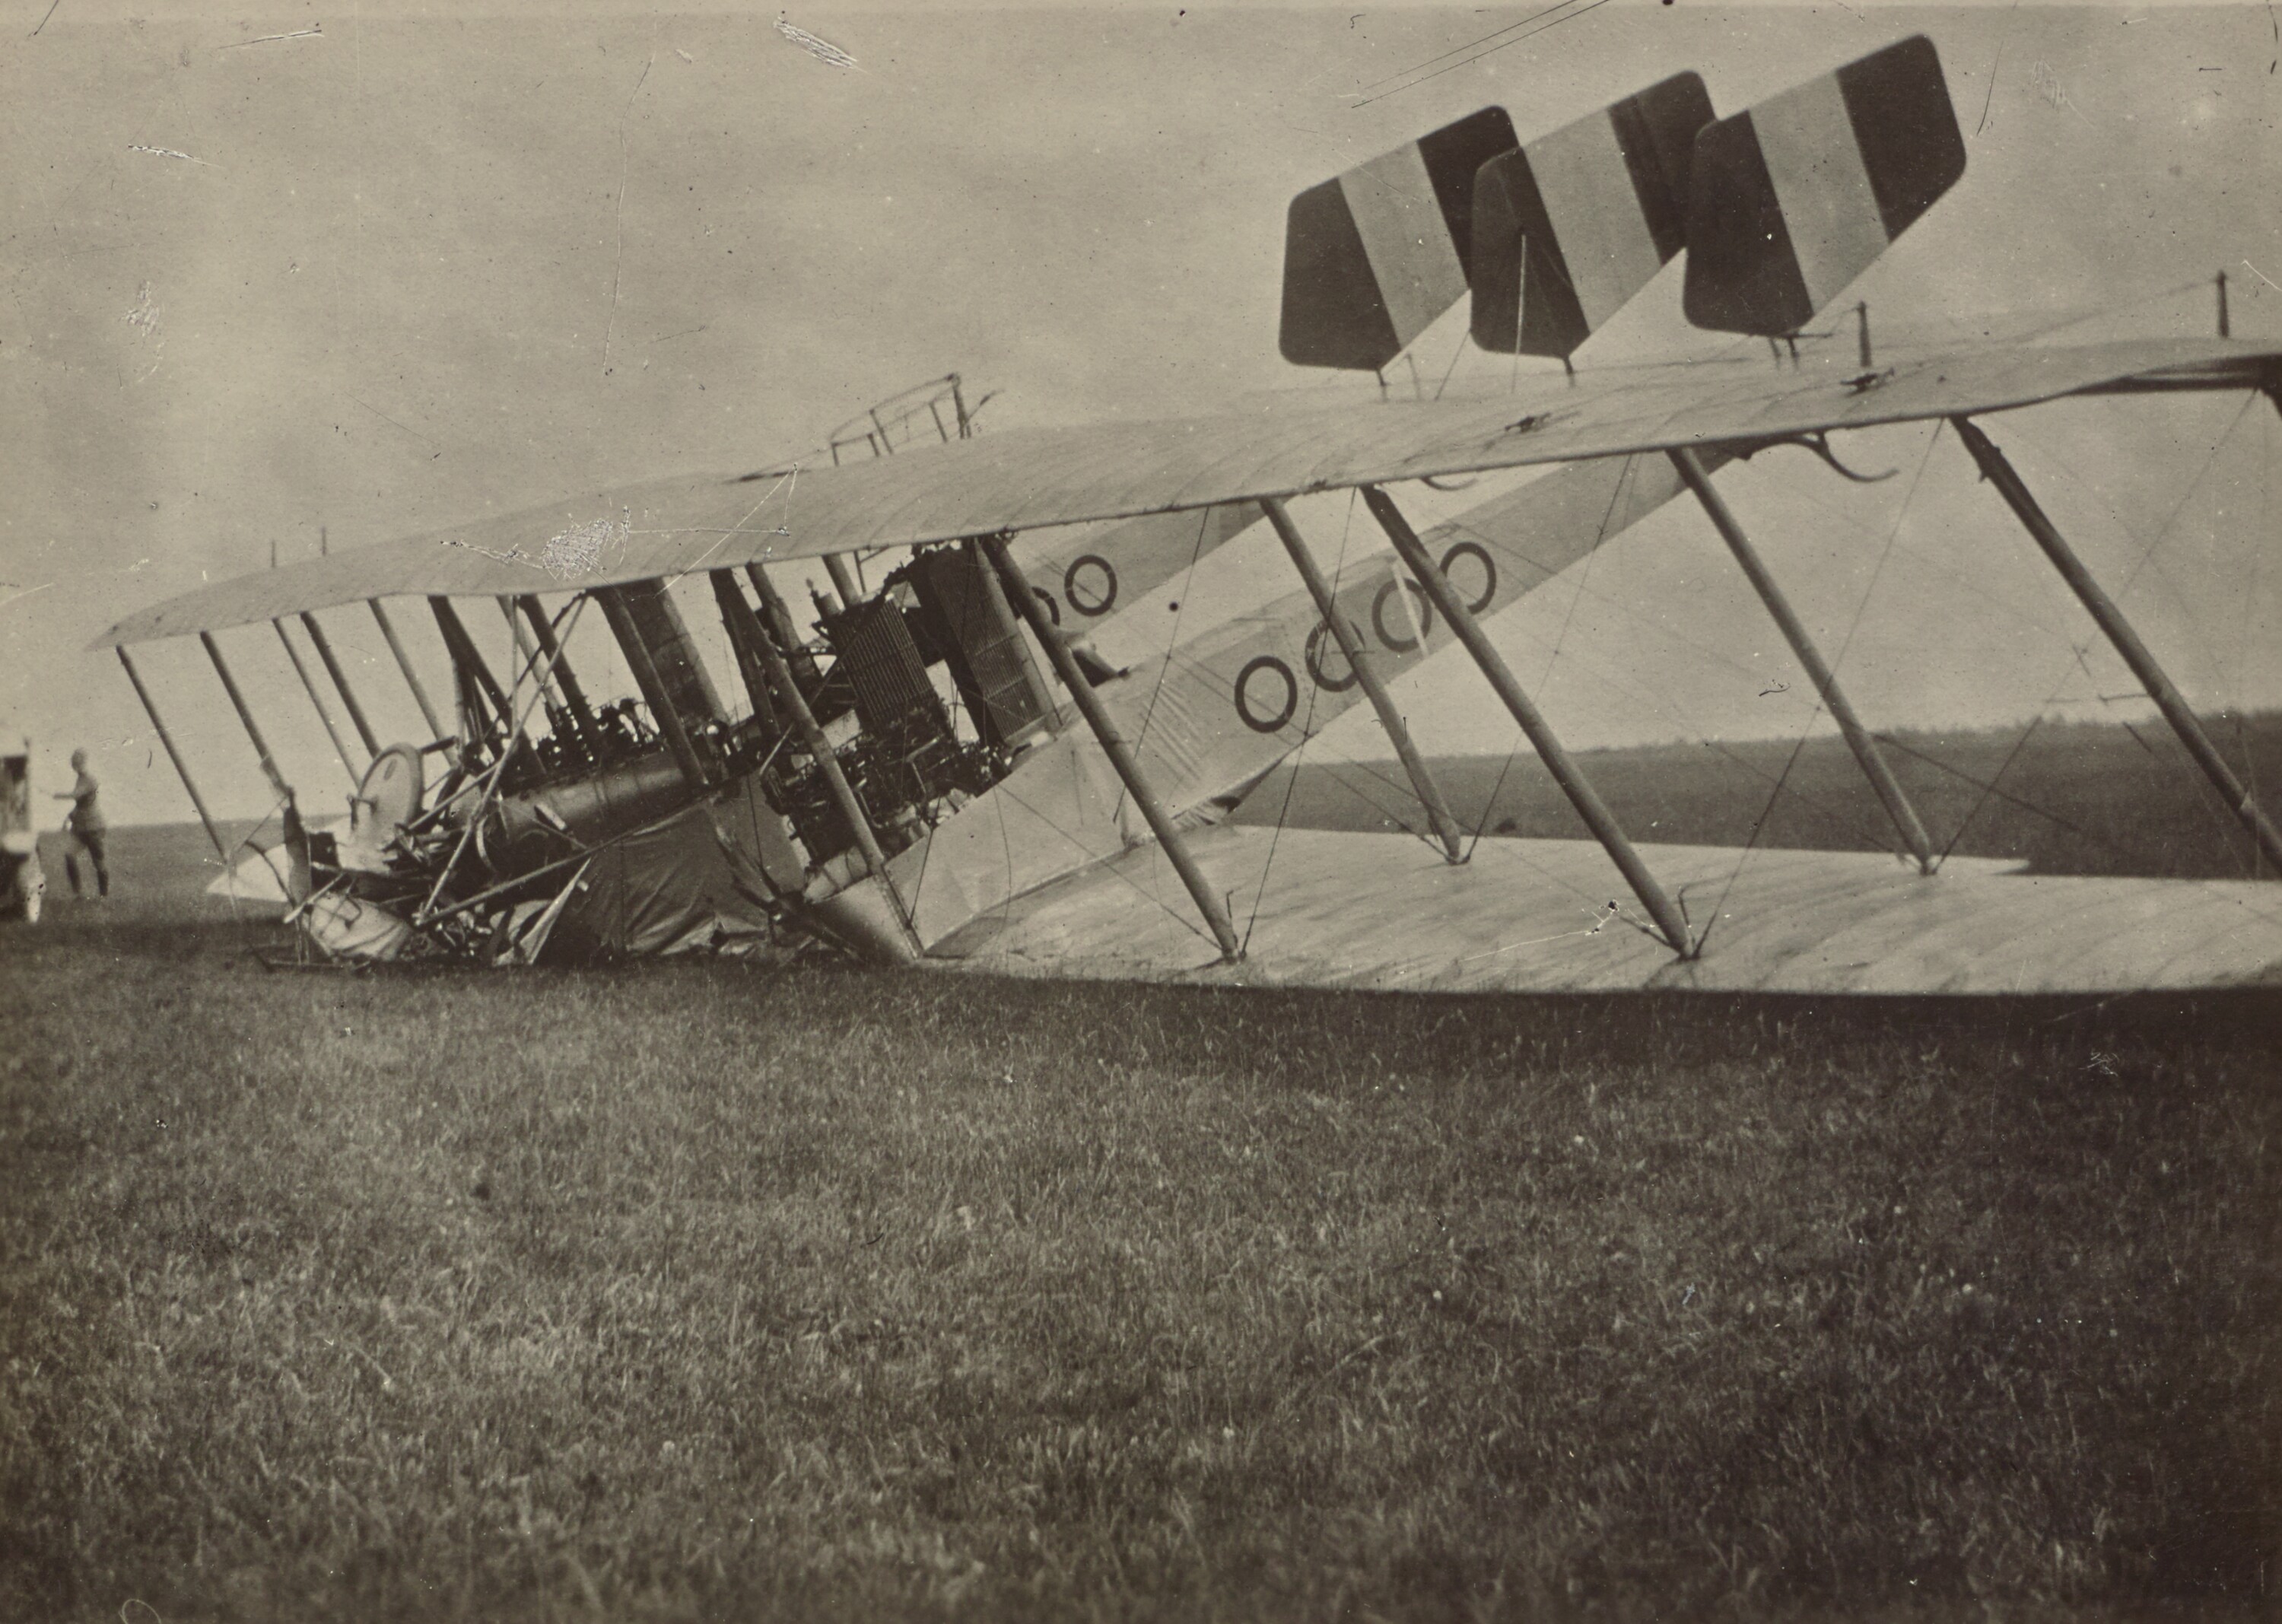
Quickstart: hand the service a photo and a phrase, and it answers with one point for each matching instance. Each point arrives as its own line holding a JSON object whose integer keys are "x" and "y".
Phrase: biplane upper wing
{"x": 1022, "y": 479}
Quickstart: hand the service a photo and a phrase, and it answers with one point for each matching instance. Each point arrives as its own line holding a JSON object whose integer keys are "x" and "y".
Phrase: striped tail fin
{"x": 1372, "y": 257}
{"x": 1569, "y": 228}
{"x": 1791, "y": 200}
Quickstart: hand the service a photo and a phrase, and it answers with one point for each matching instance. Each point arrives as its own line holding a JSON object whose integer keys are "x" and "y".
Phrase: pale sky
{"x": 311, "y": 269}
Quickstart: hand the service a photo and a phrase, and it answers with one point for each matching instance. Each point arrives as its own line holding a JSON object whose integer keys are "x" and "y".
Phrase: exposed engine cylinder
{"x": 523, "y": 830}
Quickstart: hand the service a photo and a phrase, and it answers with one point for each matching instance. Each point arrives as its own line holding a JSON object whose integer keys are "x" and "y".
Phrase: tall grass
{"x": 723, "y": 1291}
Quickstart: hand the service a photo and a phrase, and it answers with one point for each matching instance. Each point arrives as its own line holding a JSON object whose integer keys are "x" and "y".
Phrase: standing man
{"x": 84, "y": 826}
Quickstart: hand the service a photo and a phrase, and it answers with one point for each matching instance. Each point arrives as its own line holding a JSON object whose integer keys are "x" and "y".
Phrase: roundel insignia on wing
{"x": 1422, "y": 603}
{"x": 1091, "y": 584}
{"x": 1322, "y": 646}
{"x": 1468, "y": 550}
{"x": 1258, "y": 719}
{"x": 1053, "y": 610}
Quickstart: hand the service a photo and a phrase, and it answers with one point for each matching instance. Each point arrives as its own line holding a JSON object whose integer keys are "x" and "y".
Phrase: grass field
{"x": 718, "y": 1291}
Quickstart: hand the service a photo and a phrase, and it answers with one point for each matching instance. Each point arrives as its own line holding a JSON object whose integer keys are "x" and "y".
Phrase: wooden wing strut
{"x": 317, "y": 699}
{"x": 1998, "y": 469}
{"x": 324, "y": 648}
{"x": 1358, "y": 661}
{"x": 1810, "y": 657}
{"x": 404, "y": 663}
{"x": 1114, "y": 746}
{"x": 1558, "y": 761}
{"x": 181, "y": 770}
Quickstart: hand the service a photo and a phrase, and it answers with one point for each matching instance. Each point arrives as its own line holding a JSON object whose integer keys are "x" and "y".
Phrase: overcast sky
{"x": 370, "y": 274}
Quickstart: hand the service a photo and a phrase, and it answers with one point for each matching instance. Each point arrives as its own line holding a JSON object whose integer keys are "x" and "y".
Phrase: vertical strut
{"x": 174, "y": 756}
{"x": 737, "y": 621}
{"x": 747, "y": 629}
{"x": 245, "y": 716}
{"x": 1549, "y": 751}
{"x": 324, "y": 648}
{"x": 468, "y": 657}
{"x": 1114, "y": 746}
{"x": 1360, "y": 661}
{"x": 565, "y": 678}
{"x": 526, "y": 655}
{"x": 317, "y": 699}
{"x": 843, "y": 579}
{"x": 788, "y": 634}
{"x": 1810, "y": 657}
{"x": 653, "y": 688}
{"x": 411, "y": 677}
{"x": 994, "y": 595}
{"x": 1998, "y": 469}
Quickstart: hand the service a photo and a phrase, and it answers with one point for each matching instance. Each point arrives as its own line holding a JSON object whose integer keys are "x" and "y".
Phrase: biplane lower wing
{"x": 1331, "y": 910}
{"x": 1023, "y": 479}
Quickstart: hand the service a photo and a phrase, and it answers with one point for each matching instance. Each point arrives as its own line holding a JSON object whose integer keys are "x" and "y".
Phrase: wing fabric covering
{"x": 1382, "y": 912}
{"x": 698, "y": 881}
{"x": 1372, "y": 257}
{"x": 1791, "y": 200}
{"x": 1210, "y": 718}
{"x": 1024, "y": 479}
{"x": 1092, "y": 571}
{"x": 1570, "y": 227}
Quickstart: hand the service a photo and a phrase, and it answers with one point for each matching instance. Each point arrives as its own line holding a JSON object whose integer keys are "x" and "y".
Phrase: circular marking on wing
{"x": 1322, "y": 645}
{"x": 1422, "y": 603}
{"x": 1093, "y": 592}
{"x": 1053, "y": 610}
{"x": 1258, "y": 664}
{"x": 1467, "y": 549}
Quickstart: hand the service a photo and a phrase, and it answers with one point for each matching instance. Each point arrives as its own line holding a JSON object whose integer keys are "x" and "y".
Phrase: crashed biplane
{"x": 983, "y": 758}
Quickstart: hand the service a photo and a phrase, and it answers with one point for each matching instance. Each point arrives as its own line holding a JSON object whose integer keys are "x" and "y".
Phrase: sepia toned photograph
{"x": 1134, "y": 812}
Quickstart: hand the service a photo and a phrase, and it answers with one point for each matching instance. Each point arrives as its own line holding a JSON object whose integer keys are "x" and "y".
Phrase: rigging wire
{"x": 1307, "y": 734}
{"x": 2242, "y": 656}
{"x": 1114, "y": 864}
{"x": 1172, "y": 638}
{"x": 1591, "y": 5}
{"x": 1861, "y": 607}
{"x": 1687, "y": 726}
{"x": 1489, "y": 807}
{"x": 1990, "y": 788}
{"x": 1583, "y": 585}
{"x": 1894, "y": 544}
{"x": 2203, "y": 792}
{"x": 1462, "y": 335}
{"x": 1470, "y": 44}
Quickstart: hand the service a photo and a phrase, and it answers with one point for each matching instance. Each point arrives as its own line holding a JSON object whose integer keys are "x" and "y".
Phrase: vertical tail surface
{"x": 1569, "y": 228}
{"x": 1792, "y": 199}
{"x": 1373, "y": 256}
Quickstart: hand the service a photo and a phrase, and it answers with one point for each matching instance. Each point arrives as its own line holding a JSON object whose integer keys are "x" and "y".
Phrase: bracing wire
{"x": 1458, "y": 50}
{"x": 1861, "y": 607}
{"x": 1591, "y": 5}
{"x": 1687, "y": 725}
{"x": 1306, "y": 733}
{"x": 2146, "y": 554}
{"x": 1990, "y": 788}
{"x": 1112, "y": 865}
{"x": 1459, "y": 350}
{"x": 1172, "y": 638}
{"x": 1583, "y": 586}
{"x": 1489, "y": 807}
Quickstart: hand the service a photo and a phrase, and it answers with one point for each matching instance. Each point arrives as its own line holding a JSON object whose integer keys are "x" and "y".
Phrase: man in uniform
{"x": 84, "y": 826}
